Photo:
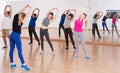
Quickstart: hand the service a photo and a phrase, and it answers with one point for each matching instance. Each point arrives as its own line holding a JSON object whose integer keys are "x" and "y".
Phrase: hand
{"x": 74, "y": 10}
{"x": 38, "y": 9}
{"x": 27, "y": 5}
{"x": 8, "y": 5}
{"x": 89, "y": 7}
{"x": 57, "y": 9}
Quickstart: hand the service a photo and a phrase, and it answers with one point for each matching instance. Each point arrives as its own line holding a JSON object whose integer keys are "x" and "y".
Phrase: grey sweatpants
{"x": 114, "y": 26}
{"x": 79, "y": 37}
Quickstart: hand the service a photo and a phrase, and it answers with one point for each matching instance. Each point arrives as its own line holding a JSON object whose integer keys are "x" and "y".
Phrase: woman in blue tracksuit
{"x": 15, "y": 38}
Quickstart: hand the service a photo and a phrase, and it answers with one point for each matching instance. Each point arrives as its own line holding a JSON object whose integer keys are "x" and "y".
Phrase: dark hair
{"x": 95, "y": 16}
{"x": 23, "y": 15}
{"x": 8, "y": 12}
{"x": 85, "y": 15}
{"x": 35, "y": 15}
{"x": 51, "y": 13}
{"x": 71, "y": 15}
{"x": 108, "y": 14}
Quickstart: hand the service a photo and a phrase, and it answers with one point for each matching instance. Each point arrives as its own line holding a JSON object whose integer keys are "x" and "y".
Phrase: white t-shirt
{"x": 6, "y": 23}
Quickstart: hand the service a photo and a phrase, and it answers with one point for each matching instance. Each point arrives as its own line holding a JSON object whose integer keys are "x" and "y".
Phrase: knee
{"x": 11, "y": 52}
{"x": 20, "y": 53}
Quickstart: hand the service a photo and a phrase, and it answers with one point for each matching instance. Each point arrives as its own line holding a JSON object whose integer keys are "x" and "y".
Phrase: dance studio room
{"x": 59, "y": 36}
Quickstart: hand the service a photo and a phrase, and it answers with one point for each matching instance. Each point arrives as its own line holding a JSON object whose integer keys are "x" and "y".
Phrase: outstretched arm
{"x": 55, "y": 14}
{"x": 87, "y": 14}
{"x": 38, "y": 12}
{"x": 100, "y": 14}
{"x": 5, "y": 12}
{"x": 27, "y": 14}
{"x": 23, "y": 9}
{"x": 49, "y": 11}
{"x": 10, "y": 10}
{"x": 66, "y": 12}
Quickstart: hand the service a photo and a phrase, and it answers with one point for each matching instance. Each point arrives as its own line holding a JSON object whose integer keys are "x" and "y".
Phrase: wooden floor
{"x": 105, "y": 55}
{"x": 105, "y": 59}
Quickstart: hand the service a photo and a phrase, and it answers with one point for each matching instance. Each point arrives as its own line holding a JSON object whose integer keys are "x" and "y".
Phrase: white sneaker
{"x": 53, "y": 53}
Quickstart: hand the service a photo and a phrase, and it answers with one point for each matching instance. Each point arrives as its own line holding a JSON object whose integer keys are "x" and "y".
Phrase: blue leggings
{"x": 105, "y": 26}
{"x": 15, "y": 39}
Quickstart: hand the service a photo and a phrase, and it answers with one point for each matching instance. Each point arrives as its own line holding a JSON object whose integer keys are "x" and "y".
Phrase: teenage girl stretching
{"x": 78, "y": 34}
{"x": 32, "y": 25}
{"x": 15, "y": 38}
{"x": 114, "y": 21}
{"x": 97, "y": 16}
{"x": 44, "y": 29}
{"x": 67, "y": 27}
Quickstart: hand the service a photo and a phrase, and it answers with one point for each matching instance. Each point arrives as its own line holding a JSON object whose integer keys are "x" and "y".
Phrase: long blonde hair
{"x": 20, "y": 18}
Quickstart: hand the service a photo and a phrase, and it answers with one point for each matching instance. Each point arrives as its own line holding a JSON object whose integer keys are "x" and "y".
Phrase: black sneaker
{"x": 30, "y": 43}
{"x": 60, "y": 35}
{"x": 100, "y": 37}
{"x": 66, "y": 48}
{"x": 74, "y": 47}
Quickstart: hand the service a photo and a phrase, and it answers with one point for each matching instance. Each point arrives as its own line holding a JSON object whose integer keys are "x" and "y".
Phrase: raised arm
{"x": 66, "y": 12}
{"x": 100, "y": 14}
{"x": 38, "y": 11}
{"x": 87, "y": 15}
{"x": 27, "y": 14}
{"x": 33, "y": 11}
{"x": 55, "y": 14}
{"x": 49, "y": 11}
{"x": 10, "y": 10}
{"x": 5, "y": 10}
{"x": 74, "y": 11}
{"x": 23, "y": 9}
{"x": 70, "y": 11}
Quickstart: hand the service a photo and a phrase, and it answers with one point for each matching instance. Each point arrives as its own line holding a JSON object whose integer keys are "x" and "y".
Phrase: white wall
{"x": 62, "y": 5}
{"x": 45, "y": 5}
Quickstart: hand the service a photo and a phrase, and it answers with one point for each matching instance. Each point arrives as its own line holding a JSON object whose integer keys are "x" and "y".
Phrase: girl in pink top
{"x": 78, "y": 25}
{"x": 79, "y": 36}
{"x": 114, "y": 20}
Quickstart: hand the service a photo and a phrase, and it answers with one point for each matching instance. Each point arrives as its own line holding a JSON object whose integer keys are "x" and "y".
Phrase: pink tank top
{"x": 114, "y": 20}
{"x": 78, "y": 25}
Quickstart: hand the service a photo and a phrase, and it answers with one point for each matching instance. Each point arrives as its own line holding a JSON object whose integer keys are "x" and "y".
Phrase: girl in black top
{"x": 15, "y": 38}
{"x": 104, "y": 24}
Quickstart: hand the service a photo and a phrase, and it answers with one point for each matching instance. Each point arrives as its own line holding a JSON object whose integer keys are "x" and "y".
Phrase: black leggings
{"x": 32, "y": 30}
{"x": 60, "y": 26}
{"x": 95, "y": 27}
{"x": 68, "y": 32}
{"x": 44, "y": 32}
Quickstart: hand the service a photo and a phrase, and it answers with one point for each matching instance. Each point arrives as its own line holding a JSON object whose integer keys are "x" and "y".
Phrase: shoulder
{"x": 16, "y": 15}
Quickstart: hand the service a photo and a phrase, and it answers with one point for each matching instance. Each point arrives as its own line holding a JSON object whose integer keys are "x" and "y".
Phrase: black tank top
{"x": 104, "y": 19}
{"x": 16, "y": 28}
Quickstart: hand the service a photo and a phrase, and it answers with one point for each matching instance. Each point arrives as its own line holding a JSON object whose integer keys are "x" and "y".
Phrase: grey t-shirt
{"x": 95, "y": 20}
{"x": 67, "y": 22}
{"x": 46, "y": 22}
